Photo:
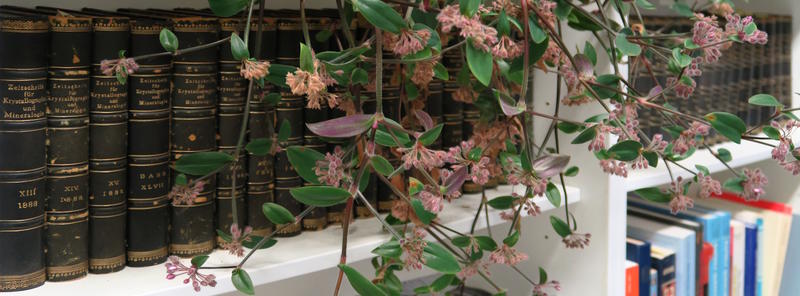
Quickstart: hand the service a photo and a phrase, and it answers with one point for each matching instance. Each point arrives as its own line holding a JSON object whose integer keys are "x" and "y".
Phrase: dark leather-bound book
{"x": 260, "y": 170}
{"x": 318, "y": 218}
{"x": 24, "y": 42}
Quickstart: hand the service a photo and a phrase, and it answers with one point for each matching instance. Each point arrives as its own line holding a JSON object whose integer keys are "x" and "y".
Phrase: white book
{"x": 677, "y": 238}
{"x": 737, "y": 258}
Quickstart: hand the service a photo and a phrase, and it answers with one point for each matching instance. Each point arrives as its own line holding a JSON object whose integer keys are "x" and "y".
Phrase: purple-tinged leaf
{"x": 424, "y": 119}
{"x": 584, "y": 65}
{"x": 550, "y": 165}
{"x": 655, "y": 91}
{"x": 508, "y": 109}
{"x": 342, "y": 127}
{"x": 455, "y": 180}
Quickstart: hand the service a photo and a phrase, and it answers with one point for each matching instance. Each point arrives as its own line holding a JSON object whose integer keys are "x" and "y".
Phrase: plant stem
{"x": 379, "y": 70}
{"x": 180, "y": 51}
{"x": 345, "y": 25}
{"x": 265, "y": 239}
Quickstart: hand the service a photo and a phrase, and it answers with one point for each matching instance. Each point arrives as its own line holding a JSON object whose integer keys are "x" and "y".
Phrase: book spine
{"x": 318, "y": 218}
{"x": 335, "y": 212}
{"x": 785, "y": 44}
{"x": 290, "y": 109}
{"x": 194, "y": 109}
{"x": 471, "y": 115}
{"x": 67, "y": 227}
{"x": 230, "y": 115}
{"x": 148, "y": 154}
{"x": 260, "y": 170}
{"x": 23, "y": 86}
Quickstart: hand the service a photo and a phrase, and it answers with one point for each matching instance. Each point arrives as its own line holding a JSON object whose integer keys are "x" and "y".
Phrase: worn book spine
{"x": 785, "y": 44}
{"x": 23, "y": 97}
{"x": 260, "y": 169}
{"x": 318, "y": 218}
{"x": 67, "y": 227}
{"x": 194, "y": 109}
{"x": 148, "y": 151}
{"x": 290, "y": 109}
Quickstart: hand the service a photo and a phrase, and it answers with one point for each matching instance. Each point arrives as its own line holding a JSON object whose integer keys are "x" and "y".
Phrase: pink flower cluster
{"x": 122, "y": 66}
{"x": 420, "y": 157}
{"x": 577, "y": 240}
{"x": 473, "y": 268}
{"x": 252, "y": 69}
{"x": 423, "y": 73}
{"x": 507, "y": 48}
{"x": 541, "y": 289}
{"x": 737, "y": 25}
{"x": 507, "y": 255}
{"x": 708, "y": 185}
{"x": 688, "y": 137}
{"x": 614, "y": 167}
{"x": 458, "y": 156}
{"x": 407, "y": 42}
{"x": 185, "y": 194}
{"x": 482, "y": 36}
{"x": 754, "y": 184}
{"x": 707, "y": 34}
{"x": 238, "y": 236}
{"x": 680, "y": 202}
{"x": 175, "y": 268}
{"x": 414, "y": 248}
{"x": 313, "y": 85}
{"x": 331, "y": 169}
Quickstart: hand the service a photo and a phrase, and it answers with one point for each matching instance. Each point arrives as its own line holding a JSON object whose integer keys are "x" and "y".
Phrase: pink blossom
{"x": 400, "y": 210}
{"x": 546, "y": 8}
{"x": 421, "y": 157}
{"x": 640, "y": 163}
{"x": 599, "y": 141}
{"x": 576, "y": 90}
{"x": 459, "y": 156}
{"x": 614, "y": 167}
{"x": 481, "y": 35}
{"x": 507, "y": 255}
{"x": 722, "y": 9}
{"x": 680, "y": 202}
{"x": 331, "y": 169}
{"x": 175, "y": 268}
{"x": 577, "y": 240}
{"x": 792, "y": 166}
{"x": 687, "y": 139}
{"x": 531, "y": 207}
{"x": 681, "y": 89}
{"x": 516, "y": 176}
{"x": 313, "y": 86}
{"x": 552, "y": 55}
{"x": 234, "y": 246}
{"x": 707, "y": 34}
{"x": 423, "y": 73}
{"x": 185, "y": 194}
{"x": 754, "y": 184}
{"x": 443, "y": 175}
{"x": 507, "y": 48}
{"x": 414, "y": 247}
{"x": 431, "y": 201}
{"x": 657, "y": 144}
{"x": 252, "y": 69}
{"x": 541, "y": 289}
{"x": 121, "y": 66}
{"x": 693, "y": 70}
{"x": 472, "y": 269}
{"x": 407, "y": 42}
{"x": 736, "y": 26}
{"x": 708, "y": 185}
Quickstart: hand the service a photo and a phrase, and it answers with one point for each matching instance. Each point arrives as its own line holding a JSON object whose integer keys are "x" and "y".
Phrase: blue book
{"x": 639, "y": 252}
{"x": 679, "y": 239}
{"x": 653, "y": 282}
{"x": 709, "y": 222}
{"x": 723, "y": 223}
{"x": 750, "y": 255}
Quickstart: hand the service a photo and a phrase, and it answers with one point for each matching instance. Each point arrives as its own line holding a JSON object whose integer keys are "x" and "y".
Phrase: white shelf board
{"x": 290, "y": 257}
{"x": 743, "y": 154}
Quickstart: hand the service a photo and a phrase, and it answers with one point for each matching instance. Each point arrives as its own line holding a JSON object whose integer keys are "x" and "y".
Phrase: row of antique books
{"x": 724, "y": 245}
{"x": 743, "y": 70}
{"x": 85, "y": 168}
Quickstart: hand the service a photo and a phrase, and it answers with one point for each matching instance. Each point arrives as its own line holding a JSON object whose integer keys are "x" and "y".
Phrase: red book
{"x": 763, "y": 204}
{"x": 631, "y": 278}
{"x": 705, "y": 259}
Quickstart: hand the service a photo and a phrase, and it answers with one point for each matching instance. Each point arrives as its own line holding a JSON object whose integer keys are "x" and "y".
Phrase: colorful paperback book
{"x": 639, "y": 251}
{"x": 653, "y": 282}
{"x": 664, "y": 264}
{"x": 681, "y": 240}
{"x": 723, "y": 221}
{"x": 754, "y": 219}
{"x": 750, "y": 254}
{"x": 705, "y": 260}
{"x": 737, "y": 258}
{"x": 631, "y": 278}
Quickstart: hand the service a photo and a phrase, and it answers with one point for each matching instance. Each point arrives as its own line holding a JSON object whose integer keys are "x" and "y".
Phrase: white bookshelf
{"x": 305, "y": 265}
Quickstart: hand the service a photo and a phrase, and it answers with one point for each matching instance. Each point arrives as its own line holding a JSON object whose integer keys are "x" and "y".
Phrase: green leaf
{"x": 734, "y": 184}
{"x": 181, "y": 179}
{"x": 423, "y": 214}
{"x": 654, "y": 194}
{"x": 501, "y": 202}
{"x": 198, "y": 261}
{"x": 585, "y": 136}
{"x": 389, "y": 249}
{"x": 414, "y": 186}
{"x": 537, "y": 33}
{"x": 439, "y": 71}
{"x": 227, "y": 8}
{"x": 728, "y": 125}
{"x": 461, "y": 241}
{"x": 703, "y": 169}
{"x": 480, "y": 63}
{"x": 304, "y": 160}
{"x": 724, "y": 154}
{"x": 568, "y": 127}
{"x": 277, "y": 214}
{"x": 625, "y": 46}
{"x": 562, "y": 10}
{"x": 259, "y": 147}
{"x": 241, "y": 280}
{"x": 306, "y": 58}
{"x": 645, "y": 5}
{"x": 202, "y": 163}
{"x": 681, "y": 59}
{"x": 486, "y": 243}
{"x": 359, "y": 76}
{"x": 560, "y": 226}
{"x": 323, "y": 36}
{"x": 384, "y": 138}
{"x": 431, "y": 135}
{"x": 542, "y": 276}
{"x": 252, "y": 241}
{"x": 381, "y": 15}
{"x": 285, "y": 131}
{"x": 442, "y": 282}
{"x": 239, "y": 48}
{"x": 625, "y": 150}
{"x": 475, "y": 154}
{"x": 682, "y": 9}
{"x": 553, "y": 195}
{"x": 764, "y": 100}
{"x": 381, "y": 165}
{"x": 412, "y": 92}
{"x": 589, "y": 52}
{"x": 168, "y": 40}
{"x": 469, "y": 7}
{"x": 321, "y": 196}
{"x": 750, "y": 28}
{"x": 512, "y": 239}
{"x": 440, "y": 259}
{"x": 772, "y": 132}
{"x": 226, "y": 237}
{"x": 571, "y": 171}
{"x": 362, "y": 285}
{"x": 651, "y": 157}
